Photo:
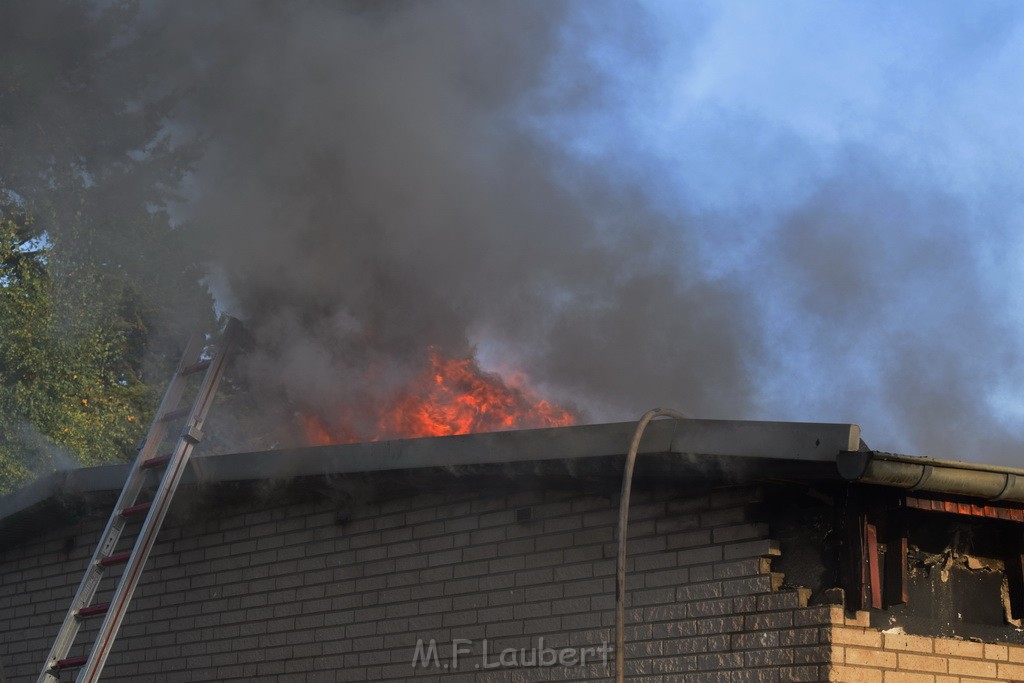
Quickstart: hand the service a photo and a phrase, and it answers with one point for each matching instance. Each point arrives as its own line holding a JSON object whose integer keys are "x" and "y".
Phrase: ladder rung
{"x": 93, "y": 610}
{"x": 173, "y": 415}
{"x": 156, "y": 462}
{"x": 195, "y": 367}
{"x": 119, "y": 558}
{"x": 70, "y": 662}
{"x": 133, "y": 510}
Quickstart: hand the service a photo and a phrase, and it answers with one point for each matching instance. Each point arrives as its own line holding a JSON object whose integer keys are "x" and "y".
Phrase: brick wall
{"x": 863, "y": 655}
{"x": 284, "y": 592}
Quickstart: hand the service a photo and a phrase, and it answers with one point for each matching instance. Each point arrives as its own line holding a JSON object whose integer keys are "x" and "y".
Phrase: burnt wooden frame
{"x": 873, "y": 515}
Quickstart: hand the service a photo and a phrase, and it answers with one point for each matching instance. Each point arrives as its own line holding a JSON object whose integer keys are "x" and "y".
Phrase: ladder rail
{"x": 157, "y": 430}
{"x": 190, "y": 434}
{"x": 116, "y": 524}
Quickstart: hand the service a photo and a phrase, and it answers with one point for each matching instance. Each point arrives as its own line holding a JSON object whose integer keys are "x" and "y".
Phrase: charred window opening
{"x": 936, "y": 565}
{"x": 957, "y": 569}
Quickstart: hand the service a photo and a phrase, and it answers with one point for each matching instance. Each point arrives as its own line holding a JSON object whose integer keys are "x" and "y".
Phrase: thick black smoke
{"x": 371, "y": 189}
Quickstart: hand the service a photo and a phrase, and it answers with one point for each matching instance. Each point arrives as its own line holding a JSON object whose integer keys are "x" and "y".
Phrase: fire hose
{"x": 620, "y": 574}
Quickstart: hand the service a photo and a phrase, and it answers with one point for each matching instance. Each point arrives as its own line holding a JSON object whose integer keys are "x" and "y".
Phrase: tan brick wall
{"x": 861, "y": 654}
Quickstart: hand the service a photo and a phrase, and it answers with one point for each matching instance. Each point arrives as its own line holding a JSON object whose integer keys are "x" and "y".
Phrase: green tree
{"x": 97, "y": 287}
{"x": 69, "y": 386}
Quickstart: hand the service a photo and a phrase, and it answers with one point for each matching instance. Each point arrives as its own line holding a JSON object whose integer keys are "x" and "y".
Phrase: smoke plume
{"x": 371, "y": 190}
{"x": 717, "y": 208}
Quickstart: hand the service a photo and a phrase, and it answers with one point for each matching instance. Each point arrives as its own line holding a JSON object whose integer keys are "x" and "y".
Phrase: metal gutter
{"x": 914, "y": 473}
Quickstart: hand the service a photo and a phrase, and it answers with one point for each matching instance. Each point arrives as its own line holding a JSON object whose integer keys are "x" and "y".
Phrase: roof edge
{"x": 790, "y": 441}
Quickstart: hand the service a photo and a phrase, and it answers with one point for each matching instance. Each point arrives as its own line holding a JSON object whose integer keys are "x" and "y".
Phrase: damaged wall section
{"x": 935, "y": 564}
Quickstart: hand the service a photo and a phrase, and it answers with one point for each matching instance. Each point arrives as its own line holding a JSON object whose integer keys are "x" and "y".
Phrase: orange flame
{"x": 453, "y": 396}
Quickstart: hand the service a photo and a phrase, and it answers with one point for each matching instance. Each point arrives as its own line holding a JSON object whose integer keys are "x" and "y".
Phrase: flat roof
{"x": 676, "y": 451}
{"x": 556, "y": 450}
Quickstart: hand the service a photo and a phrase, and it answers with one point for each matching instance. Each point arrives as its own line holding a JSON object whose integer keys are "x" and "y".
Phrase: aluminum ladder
{"x": 129, "y": 508}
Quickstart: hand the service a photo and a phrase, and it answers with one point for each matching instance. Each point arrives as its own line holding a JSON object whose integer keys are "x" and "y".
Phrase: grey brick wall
{"x": 284, "y": 592}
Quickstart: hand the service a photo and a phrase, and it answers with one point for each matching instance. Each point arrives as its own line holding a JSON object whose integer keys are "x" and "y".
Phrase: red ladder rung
{"x": 173, "y": 415}
{"x": 93, "y": 610}
{"x": 156, "y": 462}
{"x": 133, "y": 510}
{"x": 195, "y": 367}
{"x": 119, "y": 558}
{"x": 70, "y": 662}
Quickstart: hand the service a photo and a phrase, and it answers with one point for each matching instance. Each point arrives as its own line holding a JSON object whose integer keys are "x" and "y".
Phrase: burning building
{"x": 386, "y": 192}
{"x": 757, "y": 551}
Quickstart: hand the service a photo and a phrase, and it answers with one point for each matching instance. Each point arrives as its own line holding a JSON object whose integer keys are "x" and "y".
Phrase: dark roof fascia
{"x": 717, "y": 448}
{"x": 61, "y": 484}
{"x": 722, "y": 438}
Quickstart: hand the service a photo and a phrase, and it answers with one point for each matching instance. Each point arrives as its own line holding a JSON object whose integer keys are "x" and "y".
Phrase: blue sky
{"x": 857, "y": 169}
{"x": 724, "y": 92}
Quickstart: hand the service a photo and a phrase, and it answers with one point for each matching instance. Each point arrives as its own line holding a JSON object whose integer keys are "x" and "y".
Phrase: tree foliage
{"x": 70, "y": 387}
{"x": 97, "y": 286}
